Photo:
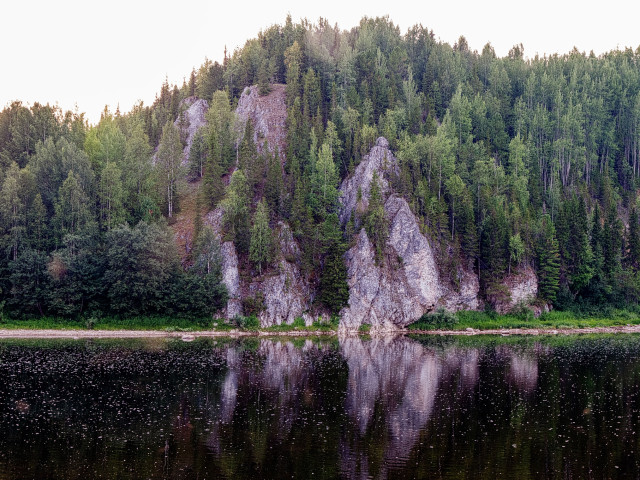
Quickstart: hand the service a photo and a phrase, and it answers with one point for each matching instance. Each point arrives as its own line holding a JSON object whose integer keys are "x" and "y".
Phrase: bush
{"x": 522, "y": 312}
{"x": 247, "y": 323}
{"x": 440, "y": 319}
{"x": 252, "y": 306}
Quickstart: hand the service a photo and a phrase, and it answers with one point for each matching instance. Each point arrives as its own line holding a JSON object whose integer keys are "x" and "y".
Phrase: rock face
{"x": 192, "y": 119}
{"x": 230, "y": 270}
{"x": 380, "y": 160}
{"x": 287, "y": 293}
{"x": 520, "y": 288}
{"x": 407, "y": 283}
{"x": 269, "y": 116}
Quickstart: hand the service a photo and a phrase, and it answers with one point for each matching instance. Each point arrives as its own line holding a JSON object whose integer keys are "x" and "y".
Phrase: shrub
{"x": 440, "y": 319}
{"x": 252, "y": 306}
{"x": 247, "y": 323}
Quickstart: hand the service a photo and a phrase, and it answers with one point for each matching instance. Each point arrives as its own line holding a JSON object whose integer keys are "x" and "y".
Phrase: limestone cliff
{"x": 269, "y": 116}
{"x": 389, "y": 293}
{"x": 407, "y": 283}
{"x": 287, "y": 293}
{"x": 230, "y": 268}
{"x": 190, "y": 120}
{"x": 519, "y": 288}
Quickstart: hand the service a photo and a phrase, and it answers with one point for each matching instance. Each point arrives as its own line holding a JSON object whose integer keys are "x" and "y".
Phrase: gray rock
{"x": 230, "y": 270}
{"x": 407, "y": 283}
{"x": 287, "y": 293}
{"x": 521, "y": 288}
{"x": 269, "y": 116}
{"x": 194, "y": 117}
{"x": 380, "y": 160}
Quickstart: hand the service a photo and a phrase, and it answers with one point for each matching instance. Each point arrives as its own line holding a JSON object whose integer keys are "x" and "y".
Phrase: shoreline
{"x": 188, "y": 336}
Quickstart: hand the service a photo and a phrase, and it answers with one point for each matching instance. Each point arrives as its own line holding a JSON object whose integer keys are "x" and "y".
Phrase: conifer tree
{"x": 236, "y": 211}
{"x": 273, "y": 186}
{"x": 261, "y": 245}
{"x": 375, "y": 221}
{"x": 634, "y": 239}
{"x": 548, "y": 261}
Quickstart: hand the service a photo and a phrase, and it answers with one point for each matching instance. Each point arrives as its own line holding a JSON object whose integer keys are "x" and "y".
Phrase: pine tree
{"x": 264, "y": 77}
{"x": 324, "y": 183}
{"x": 213, "y": 183}
{"x": 633, "y": 259}
{"x": 548, "y": 261}
{"x": 273, "y": 186}
{"x": 261, "y": 245}
{"x": 236, "y": 211}
{"x": 375, "y": 221}
{"x": 612, "y": 245}
{"x": 334, "y": 289}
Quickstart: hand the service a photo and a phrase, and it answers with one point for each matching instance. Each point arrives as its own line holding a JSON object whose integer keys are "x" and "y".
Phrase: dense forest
{"x": 507, "y": 162}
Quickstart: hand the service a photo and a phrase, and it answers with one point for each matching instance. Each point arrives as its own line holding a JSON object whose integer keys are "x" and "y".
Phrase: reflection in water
{"x": 351, "y": 408}
{"x": 396, "y": 379}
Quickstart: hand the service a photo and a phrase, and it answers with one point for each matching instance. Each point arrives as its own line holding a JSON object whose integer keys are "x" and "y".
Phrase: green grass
{"x": 554, "y": 319}
{"x": 298, "y": 325}
{"x": 465, "y": 319}
{"x": 115, "y": 323}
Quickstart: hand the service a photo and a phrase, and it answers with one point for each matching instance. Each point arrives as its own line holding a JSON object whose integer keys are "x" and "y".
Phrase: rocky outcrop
{"x": 517, "y": 289}
{"x": 407, "y": 283}
{"x": 381, "y": 161}
{"x": 269, "y": 116}
{"x": 230, "y": 269}
{"x": 286, "y": 292}
{"x": 190, "y": 120}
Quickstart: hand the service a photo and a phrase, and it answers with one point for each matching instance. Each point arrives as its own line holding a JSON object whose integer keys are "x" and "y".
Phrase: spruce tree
{"x": 273, "y": 186}
{"x": 261, "y": 245}
{"x": 375, "y": 221}
{"x": 633, "y": 258}
{"x": 548, "y": 261}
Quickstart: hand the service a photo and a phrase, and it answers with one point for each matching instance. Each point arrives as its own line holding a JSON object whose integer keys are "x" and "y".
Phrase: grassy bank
{"x": 434, "y": 321}
{"x": 493, "y": 321}
{"x": 177, "y": 324}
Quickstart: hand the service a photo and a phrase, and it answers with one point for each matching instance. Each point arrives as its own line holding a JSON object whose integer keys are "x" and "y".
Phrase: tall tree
{"x": 548, "y": 261}
{"x": 169, "y": 166}
{"x": 261, "y": 245}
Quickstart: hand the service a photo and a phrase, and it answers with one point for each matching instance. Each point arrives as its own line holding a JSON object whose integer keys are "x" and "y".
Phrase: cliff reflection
{"x": 352, "y": 408}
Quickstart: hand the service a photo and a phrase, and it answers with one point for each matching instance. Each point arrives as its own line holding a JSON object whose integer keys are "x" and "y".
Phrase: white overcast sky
{"x": 92, "y": 54}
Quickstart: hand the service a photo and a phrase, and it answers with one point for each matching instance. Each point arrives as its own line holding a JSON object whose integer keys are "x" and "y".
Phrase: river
{"x": 353, "y": 408}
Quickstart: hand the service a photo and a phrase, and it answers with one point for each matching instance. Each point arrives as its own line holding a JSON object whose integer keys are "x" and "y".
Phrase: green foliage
{"x": 236, "y": 211}
{"x": 169, "y": 167}
{"x": 375, "y": 221}
{"x": 441, "y": 319}
{"x": 513, "y": 162}
{"x": 261, "y": 244}
{"x": 250, "y": 322}
{"x": 219, "y": 139}
{"x": 252, "y": 306}
{"x": 548, "y": 261}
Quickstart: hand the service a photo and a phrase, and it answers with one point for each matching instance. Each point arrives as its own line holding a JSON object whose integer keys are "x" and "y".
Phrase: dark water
{"x": 563, "y": 407}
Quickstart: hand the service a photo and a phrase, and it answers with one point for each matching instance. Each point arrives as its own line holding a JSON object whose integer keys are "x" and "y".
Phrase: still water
{"x": 473, "y": 407}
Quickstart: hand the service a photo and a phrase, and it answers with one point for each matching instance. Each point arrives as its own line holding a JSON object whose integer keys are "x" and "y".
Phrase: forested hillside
{"x": 507, "y": 163}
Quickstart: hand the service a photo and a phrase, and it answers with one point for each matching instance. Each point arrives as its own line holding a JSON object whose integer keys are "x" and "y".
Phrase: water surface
{"x": 421, "y": 407}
